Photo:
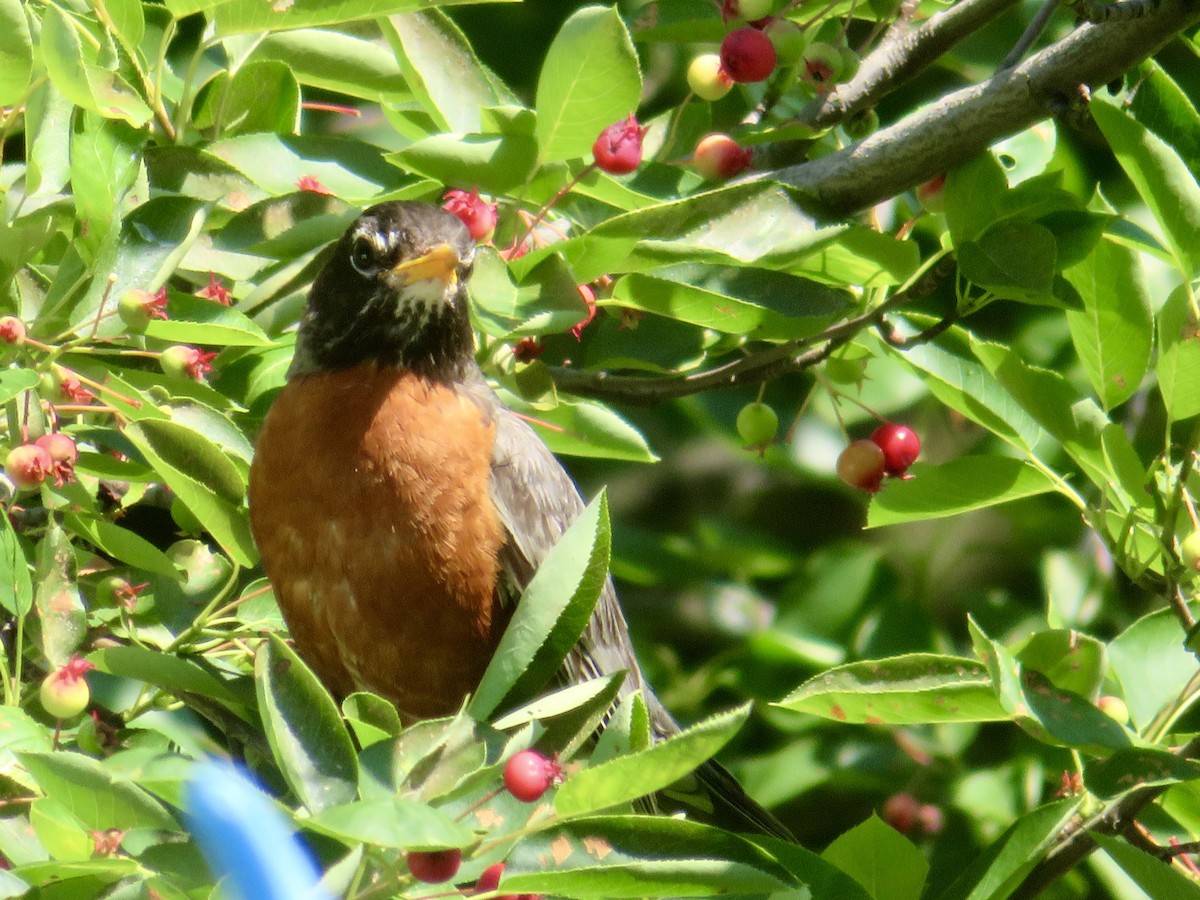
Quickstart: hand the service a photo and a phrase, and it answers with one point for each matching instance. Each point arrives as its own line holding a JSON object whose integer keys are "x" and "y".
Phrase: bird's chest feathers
{"x": 370, "y": 503}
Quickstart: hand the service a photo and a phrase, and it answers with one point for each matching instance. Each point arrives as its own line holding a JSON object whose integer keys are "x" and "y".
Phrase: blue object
{"x": 245, "y": 839}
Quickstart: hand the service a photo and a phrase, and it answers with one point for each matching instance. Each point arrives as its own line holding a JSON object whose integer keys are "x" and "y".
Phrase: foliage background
{"x": 1056, "y": 406}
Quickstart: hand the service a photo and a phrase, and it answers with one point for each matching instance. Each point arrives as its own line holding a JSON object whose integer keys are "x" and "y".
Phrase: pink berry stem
{"x": 562, "y": 192}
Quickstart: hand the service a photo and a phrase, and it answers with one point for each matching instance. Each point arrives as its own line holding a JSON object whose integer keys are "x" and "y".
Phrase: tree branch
{"x": 968, "y": 121}
{"x": 901, "y": 55}
{"x": 1113, "y": 819}
{"x": 762, "y": 365}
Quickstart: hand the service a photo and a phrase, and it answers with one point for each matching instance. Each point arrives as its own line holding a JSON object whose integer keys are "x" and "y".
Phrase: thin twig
{"x": 1032, "y": 31}
{"x": 754, "y": 368}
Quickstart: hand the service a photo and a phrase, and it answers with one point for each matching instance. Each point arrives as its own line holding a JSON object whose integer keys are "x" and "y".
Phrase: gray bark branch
{"x": 965, "y": 123}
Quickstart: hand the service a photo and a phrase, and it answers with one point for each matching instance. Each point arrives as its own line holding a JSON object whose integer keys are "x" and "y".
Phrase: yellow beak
{"x": 441, "y": 262}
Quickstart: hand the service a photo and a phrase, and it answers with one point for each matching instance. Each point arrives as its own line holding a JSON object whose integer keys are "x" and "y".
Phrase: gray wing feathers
{"x": 536, "y": 501}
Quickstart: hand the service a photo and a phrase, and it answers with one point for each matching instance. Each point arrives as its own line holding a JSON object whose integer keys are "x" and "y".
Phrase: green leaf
{"x": 495, "y": 164}
{"x": 60, "y": 608}
{"x": 442, "y": 71}
{"x": 152, "y": 241}
{"x": 261, "y": 96}
{"x": 1135, "y": 767}
{"x": 1151, "y": 663}
{"x": 172, "y": 673}
{"x": 1158, "y": 878}
{"x": 961, "y": 485}
{"x": 881, "y": 859}
{"x": 241, "y": 16}
{"x": 802, "y": 307}
{"x": 589, "y": 80}
{"x": 16, "y": 587}
{"x": 1178, "y": 367}
{"x": 337, "y": 62}
{"x": 16, "y": 49}
{"x": 552, "y": 613}
{"x": 104, "y": 163}
{"x": 307, "y": 735}
{"x": 1114, "y": 331}
{"x": 97, "y": 797}
{"x": 995, "y": 873}
{"x": 626, "y": 778}
{"x": 584, "y": 428}
{"x": 917, "y": 688}
{"x": 194, "y": 320}
{"x": 974, "y": 197}
{"x": 372, "y": 718}
{"x": 1164, "y": 107}
{"x": 202, "y": 476}
{"x": 1071, "y": 660}
{"x": 59, "y": 831}
{"x": 20, "y": 732}
{"x": 1163, "y": 180}
{"x": 391, "y": 822}
{"x": 354, "y": 171}
{"x": 642, "y": 856}
{"x": 1015, "y": 260}
{"x": 121, "y": 543}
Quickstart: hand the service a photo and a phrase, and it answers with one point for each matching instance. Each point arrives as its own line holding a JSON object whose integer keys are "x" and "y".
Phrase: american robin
{"x": 399, "y": 506}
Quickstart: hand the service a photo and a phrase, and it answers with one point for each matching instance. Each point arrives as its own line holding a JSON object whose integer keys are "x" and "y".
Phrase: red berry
{"x": 64, "y": 454}
{"x": 64, "y": 693}
{"x": 12, "y": 330}
{"x": 930, "y": 818}
{"x": 618, "y": 149}
{"x": 747, "y": 55}
{"x": 861, "y": 466}
{"x": 707, "y": 79}
{"x": 528, "y": 775}
{"x": 901, "y": 812}
{"x": 28, "y": 465}
{"x": 489, "y": 878}
{"x": 718, "y": 156}
{"x": 434, "y": 866}
{"x": 900, "y": 446}
{"x": 477, "y": 215}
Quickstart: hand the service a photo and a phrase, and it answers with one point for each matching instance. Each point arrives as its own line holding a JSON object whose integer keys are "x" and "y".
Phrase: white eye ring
{"x": 364, "y": 255}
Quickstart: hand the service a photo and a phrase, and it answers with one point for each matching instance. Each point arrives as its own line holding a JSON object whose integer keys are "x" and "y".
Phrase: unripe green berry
{"x": 757, "y": 425}
{"x": 1189, "y": 551}
{"x": 1114, "y": 708}
{"x": 707, "y": 79}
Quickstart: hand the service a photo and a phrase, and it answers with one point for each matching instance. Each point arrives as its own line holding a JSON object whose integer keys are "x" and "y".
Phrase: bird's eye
{"x": 363, "y": 255}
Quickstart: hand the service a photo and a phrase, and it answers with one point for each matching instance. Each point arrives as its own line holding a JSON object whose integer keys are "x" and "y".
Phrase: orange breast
{"x": 369, "y": 503}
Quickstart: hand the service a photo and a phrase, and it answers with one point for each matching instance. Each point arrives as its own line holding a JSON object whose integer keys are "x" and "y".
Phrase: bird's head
{"x": 393, "y": 293}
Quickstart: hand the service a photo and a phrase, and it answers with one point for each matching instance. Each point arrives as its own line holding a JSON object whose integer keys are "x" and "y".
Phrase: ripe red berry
{"x": 12, "y": 330}
{"x": 618, "y": 149}
{"x": 747, "y": 55}
{"x": 28, "y": 465}
{"x": 64, "y": 693}
{"x": 718, "y": 156}
{"x": 529, "y": 774}
{"x": 901, "y": 811}
{"x": 475, "y": 213}
{"x": 900, "y": 446}
{"x": 707, "y": 79}
{"x": 861, "y": 466}
{"x": 434, "y": 866}
{"x": 63, "y": 453}
{"x": 489, "y": 878}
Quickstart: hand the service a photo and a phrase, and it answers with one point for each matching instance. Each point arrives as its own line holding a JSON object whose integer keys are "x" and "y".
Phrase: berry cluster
{"x": 890, "y": 450}
{"x": 527, "y": 776}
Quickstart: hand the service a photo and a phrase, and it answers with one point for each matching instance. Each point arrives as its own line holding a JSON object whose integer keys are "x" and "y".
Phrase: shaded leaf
{"x": 94, "y": 795}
